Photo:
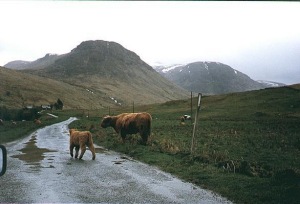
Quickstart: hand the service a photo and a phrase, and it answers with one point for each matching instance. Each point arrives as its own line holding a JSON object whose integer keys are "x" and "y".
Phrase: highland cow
{"x": 79, "y": 140}
{"x": 130, "y": 123}
{"x": 37, "y": 122}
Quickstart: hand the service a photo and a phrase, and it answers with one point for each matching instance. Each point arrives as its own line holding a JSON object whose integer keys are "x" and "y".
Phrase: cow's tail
{"x": 91, "y": 145}
{"x": 90, "y": 138}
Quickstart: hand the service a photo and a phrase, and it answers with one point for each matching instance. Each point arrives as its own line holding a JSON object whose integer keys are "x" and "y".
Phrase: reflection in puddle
{"x": 31, "y": 154}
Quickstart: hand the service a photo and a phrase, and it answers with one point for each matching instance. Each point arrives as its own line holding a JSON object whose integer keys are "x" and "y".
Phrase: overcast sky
{"x": 260, "y": 39}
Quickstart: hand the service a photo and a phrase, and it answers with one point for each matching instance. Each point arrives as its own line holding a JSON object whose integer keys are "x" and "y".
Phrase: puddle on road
{"x": 31, "y": 154}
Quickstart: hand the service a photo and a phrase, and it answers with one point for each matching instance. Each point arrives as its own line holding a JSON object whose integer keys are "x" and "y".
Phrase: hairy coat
{"x": 130, "y": 123}
{"x": 79, "y": 140}
{"x": 37, "y": 121}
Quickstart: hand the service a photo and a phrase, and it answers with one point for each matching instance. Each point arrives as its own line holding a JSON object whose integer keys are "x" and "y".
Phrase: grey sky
{"x": 261, "y": 39}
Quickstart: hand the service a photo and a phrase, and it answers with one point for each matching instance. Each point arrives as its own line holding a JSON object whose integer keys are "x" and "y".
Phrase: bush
{"x": 18, "y": 114}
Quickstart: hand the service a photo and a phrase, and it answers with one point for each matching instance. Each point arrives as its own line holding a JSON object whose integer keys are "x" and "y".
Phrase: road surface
{"x": 40, "y": 170}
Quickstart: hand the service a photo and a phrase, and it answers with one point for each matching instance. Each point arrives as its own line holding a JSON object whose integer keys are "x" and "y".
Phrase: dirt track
{"x": 40, "y": 170}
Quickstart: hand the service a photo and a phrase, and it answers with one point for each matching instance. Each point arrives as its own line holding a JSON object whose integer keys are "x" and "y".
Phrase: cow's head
{"x": 71, "y": 130}
{"x": 106, "y": 122}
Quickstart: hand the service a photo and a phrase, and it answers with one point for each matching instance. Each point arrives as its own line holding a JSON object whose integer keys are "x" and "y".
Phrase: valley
{"x": 247, "y": 144}
{"x": 97, "y": 74}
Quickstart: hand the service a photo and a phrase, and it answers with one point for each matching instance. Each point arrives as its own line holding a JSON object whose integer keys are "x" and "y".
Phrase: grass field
{"x": 247, "y": 144}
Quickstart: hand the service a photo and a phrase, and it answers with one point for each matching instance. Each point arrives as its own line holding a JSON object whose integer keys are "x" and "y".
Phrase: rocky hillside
{"x": 112, "y": 71}
{"x": 209, "y": 78}
{"x": 37, "y": 64}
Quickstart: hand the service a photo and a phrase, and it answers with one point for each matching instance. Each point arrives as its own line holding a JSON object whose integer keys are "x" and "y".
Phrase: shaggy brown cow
{"x": 37, "y": 121}
{"x": 130, "y": 123}
{"x": 79, "y": 139}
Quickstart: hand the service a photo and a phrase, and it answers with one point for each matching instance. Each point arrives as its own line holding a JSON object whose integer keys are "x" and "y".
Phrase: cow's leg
{"x": 145, "y": 133}
{"x": 123, "y": 135}
{"x": 82, "y": 148}
{"x": 144, "y": 138}
{"x": 71, "y": 149}
{"x": 76, "y": 151}
{"x": 92, "y": 148}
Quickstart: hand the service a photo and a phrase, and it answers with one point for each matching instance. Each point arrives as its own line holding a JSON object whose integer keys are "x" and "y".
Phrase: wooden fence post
{"x": 132, "y": 106}
{"x": 195, "y": 124}
{"x": 191, "y": 105}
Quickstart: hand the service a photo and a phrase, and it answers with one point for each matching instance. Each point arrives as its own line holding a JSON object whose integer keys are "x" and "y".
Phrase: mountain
{"x": 101, "y": 58}
{"x": 209, "y": 78}
{"x": 37, "y": 64}
{"x": 112, "y": 71}
{"x": 21, "y": 89}
{"x": 17, "y": 64}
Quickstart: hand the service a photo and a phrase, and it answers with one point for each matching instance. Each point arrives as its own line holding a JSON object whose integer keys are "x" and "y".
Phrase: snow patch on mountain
{"x": 167, "y": 69}
{"x": 115, "y": 100}
{"x": 270, "y": 83}
{"x": 206, "y": 66}
{"x": 90, "y": 91}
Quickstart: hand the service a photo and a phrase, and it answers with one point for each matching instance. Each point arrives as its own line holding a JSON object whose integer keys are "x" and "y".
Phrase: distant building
{"x": 46, "y": 107}
{"x": 28, "y": 107}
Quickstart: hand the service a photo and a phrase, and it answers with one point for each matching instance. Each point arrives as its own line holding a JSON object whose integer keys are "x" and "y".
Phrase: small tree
{"x": 4, "y": 113}
{"x": 59, "y": 105}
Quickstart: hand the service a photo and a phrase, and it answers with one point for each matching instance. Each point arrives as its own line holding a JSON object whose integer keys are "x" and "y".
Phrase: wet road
{"x": 40, "y": 170}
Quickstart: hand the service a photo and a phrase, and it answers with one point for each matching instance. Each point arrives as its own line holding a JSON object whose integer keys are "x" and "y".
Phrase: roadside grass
{"x": 247, "y": 144}
{"x": 12, "y": 131}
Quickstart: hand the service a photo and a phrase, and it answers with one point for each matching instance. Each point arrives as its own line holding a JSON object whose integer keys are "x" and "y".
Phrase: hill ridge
{"x": 209, "y": 78}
